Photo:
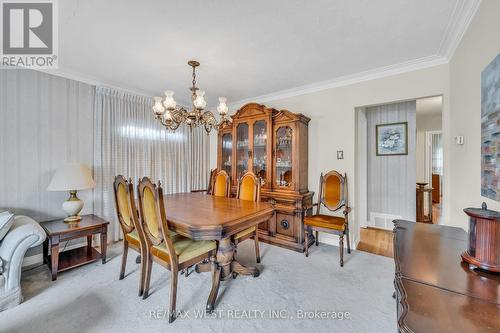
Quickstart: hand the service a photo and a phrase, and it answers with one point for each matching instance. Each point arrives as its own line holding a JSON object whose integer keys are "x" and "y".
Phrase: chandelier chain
{"x": 194, "y": 79}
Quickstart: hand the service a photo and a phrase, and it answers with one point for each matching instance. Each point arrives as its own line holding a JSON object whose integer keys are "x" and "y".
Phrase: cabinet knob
{"x": 285, "y": 224}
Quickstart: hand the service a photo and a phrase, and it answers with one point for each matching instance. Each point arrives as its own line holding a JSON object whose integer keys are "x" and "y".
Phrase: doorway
{"x": 429, "y": 157}
{"x": 390, "y": 193}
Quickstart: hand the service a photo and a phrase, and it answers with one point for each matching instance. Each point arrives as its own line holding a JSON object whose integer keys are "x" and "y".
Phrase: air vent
{"x": 383, "y": 221}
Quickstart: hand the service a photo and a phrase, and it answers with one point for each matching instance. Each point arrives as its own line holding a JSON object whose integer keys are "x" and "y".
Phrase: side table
{"x": 59, "y": 231}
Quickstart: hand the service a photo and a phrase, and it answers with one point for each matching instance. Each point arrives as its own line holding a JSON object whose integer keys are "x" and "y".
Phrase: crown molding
{"x": 94, "y": 81}
{"x": 342, "y": 81}
{"x": 458, "y": 24}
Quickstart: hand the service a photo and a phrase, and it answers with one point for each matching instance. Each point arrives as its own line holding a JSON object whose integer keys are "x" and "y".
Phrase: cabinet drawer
{"x": 285, "y": 224}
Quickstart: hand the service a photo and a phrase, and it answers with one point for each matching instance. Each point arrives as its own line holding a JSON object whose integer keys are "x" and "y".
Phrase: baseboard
{"x": 331, "y": 239}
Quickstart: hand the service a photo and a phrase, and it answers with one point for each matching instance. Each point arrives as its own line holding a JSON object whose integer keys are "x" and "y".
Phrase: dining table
{"x": 206, "y": 217}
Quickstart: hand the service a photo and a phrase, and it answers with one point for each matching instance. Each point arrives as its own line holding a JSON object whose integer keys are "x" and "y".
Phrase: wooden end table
{"x": 60, "y": 231}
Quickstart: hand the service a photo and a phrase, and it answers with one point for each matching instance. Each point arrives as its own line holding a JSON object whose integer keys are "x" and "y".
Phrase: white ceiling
{"x": 430, "y": 106}
{"x": 248, "y": 48}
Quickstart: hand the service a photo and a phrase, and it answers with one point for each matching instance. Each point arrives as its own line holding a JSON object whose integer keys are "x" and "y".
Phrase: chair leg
{"x": 341, "y": 246}
{"x": 173, "y": 294}
{"x": 147, "y": 277}
{"x": 124, "y": 259}
{"x": 257, "y": 250}
{"x": 348, "y": 241}
{"x": 143, "y": 274}
{"x": 317, "y": 238}
{"x": 306, "y": 242}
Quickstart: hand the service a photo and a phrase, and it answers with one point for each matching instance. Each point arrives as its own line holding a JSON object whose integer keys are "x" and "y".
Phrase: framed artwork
{"x": 392, "y": 139}
{"x": 490, "y": 130}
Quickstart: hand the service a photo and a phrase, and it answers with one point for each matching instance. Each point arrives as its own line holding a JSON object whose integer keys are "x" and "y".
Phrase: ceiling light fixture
{"x": 172, "y": 116}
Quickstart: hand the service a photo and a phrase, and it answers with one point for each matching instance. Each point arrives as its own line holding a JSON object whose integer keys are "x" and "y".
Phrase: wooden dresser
{"x": 435, "y": 290}
{"x": 273, "y": 144}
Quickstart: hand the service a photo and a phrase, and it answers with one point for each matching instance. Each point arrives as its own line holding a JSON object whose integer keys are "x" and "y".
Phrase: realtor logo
{"x": 29, "y": 33}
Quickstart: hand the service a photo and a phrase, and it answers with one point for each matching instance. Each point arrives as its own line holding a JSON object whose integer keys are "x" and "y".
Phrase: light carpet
{"x": 92, "y": 299}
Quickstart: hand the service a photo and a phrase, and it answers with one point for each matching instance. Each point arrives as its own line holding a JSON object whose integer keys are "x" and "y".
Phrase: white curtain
{"x": 129, "y": 141}
{"x": 45, "y": 121}
{"x": 437, "y": 154}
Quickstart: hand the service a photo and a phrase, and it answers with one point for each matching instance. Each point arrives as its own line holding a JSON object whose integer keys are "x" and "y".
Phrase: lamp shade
{"x": 72, "y": 177}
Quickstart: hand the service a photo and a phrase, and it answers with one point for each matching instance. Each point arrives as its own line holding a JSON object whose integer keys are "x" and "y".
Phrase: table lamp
{"x": 72, "y": 177}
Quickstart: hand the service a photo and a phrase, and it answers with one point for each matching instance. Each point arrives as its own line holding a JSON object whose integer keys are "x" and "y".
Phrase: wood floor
{"x": 376, "y": 241}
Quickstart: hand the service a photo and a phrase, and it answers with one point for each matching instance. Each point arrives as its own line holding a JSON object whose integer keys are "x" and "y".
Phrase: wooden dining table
{"x": 206, "y": 217}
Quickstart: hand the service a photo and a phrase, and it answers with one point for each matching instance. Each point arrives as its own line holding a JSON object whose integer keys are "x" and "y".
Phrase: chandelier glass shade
{"x": 171, "y": 116}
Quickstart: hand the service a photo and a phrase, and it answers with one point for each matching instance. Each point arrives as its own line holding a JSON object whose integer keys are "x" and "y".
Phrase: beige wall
{"x": 479, "y": 46}
{"x": 333, "y": 116}
{"x": 332, "y": 125}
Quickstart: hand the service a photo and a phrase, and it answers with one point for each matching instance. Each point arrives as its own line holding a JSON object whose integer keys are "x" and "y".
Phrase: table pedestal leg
{"x": 215, "y": 287}
{"x": 225, "y": 255}
{"x": 238, "y": 268}
{"x": 202, "y": 267}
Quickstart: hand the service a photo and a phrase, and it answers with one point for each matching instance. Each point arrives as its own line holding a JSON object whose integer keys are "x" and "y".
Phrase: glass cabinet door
{"x": 226, "y": 152}
{"x": 260, "y": 150}
{"x": 242, "y": 149}
{"x": 284, "y": 157}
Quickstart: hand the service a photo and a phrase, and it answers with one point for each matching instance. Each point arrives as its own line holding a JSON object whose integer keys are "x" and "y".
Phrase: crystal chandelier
{"x": 171, "y": 115}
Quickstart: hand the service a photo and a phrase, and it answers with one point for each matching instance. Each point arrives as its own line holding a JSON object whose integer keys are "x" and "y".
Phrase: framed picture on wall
{"x": 392, "y": 139}
{"x": 490, "y": 130}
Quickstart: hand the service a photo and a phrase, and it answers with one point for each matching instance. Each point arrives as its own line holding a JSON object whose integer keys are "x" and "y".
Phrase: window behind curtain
{"x": 129, "y": 141}
{"x": 437, "y": 154}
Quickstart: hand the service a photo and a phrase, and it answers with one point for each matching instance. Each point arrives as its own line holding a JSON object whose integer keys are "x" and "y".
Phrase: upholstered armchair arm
{"x": 24, "y": 233}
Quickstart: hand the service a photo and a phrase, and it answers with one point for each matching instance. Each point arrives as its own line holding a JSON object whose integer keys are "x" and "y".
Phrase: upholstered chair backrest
{"x": 153, "y": 217}
{"x": 221, "y": 184}
{"x": 333, "y": 190}
{"x": 124, "y": 203}
{"x": 248, "y": 187}
{"x": 150, "y": 213}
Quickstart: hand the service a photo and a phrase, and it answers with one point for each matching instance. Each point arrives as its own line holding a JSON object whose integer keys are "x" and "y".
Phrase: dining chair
{"x": 165, "y": 247}
{"x": 333, "y": 195}
{"x": 221, "y": 186}
{"x": 128, "y": 219}
{"x": 249, "y": 189}
{"x": 211, "y": 181}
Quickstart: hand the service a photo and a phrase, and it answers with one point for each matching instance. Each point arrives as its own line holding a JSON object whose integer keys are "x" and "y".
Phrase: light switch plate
{"x": 459, "y": 140}
{"x": 340, "y": 154}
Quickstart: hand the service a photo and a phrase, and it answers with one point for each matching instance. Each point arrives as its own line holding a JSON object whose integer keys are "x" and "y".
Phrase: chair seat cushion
{"x": 325, "y": 221}
{"x": 133, "y": 238}
{"x": 185, "y": 248}
{"x": 244, "y": 232}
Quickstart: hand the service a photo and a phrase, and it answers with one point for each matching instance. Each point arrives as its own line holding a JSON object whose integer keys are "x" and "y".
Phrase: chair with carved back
{"x": 211, "y": 182}
{"x": 333, "y": 195}
{"x": 128, "y": 219}
{"x": 221, "y": 185}
{"x": 249, "y": 189}
{"x": 166, "y": 247}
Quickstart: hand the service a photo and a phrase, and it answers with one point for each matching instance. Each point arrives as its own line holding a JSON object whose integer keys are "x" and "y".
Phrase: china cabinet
{"x": 273, "y": 145}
